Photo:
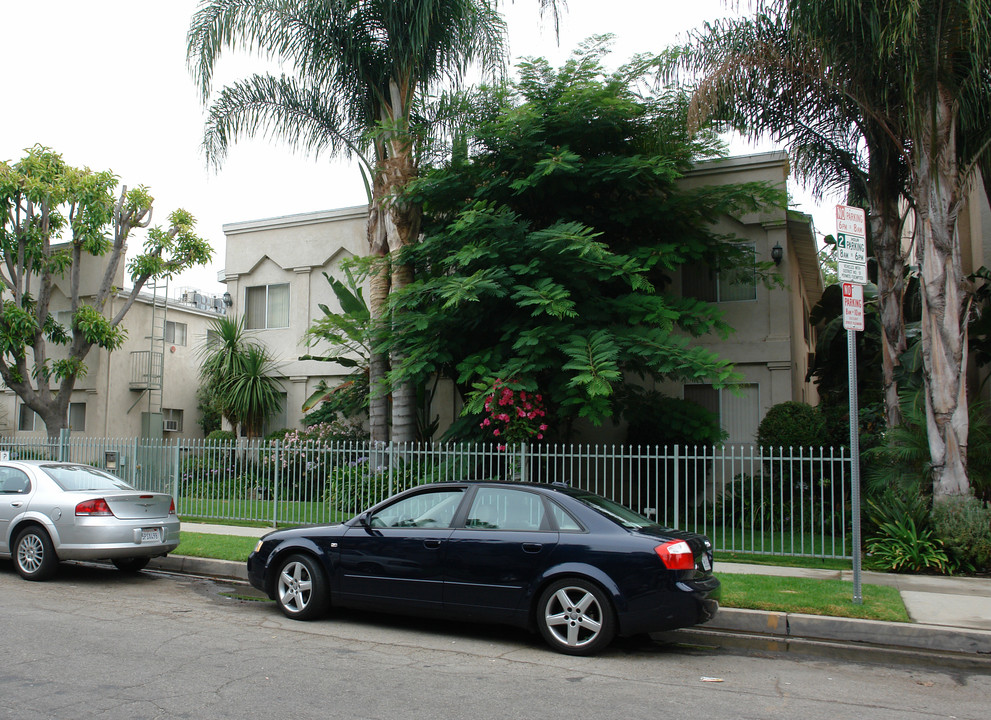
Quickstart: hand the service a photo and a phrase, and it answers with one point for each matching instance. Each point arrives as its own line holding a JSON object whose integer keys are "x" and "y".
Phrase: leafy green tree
{"x": 56, "y": 219}
{"x": 357, "y": 72}
{"x": 547, "y": 257}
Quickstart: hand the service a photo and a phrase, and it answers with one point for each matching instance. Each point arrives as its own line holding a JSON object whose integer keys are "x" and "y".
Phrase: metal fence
{"x": 779, "y": 501}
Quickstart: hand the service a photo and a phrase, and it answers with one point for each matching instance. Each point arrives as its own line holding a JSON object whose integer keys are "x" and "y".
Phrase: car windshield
{"x": 619, "y": 514}
{"x": 81, "y": 477}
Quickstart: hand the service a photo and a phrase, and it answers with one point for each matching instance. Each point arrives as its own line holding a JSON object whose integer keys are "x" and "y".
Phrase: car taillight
{"x": 676, "y": 555}
{"x": 93, "y": 507}
{"x": 171, "y": 507}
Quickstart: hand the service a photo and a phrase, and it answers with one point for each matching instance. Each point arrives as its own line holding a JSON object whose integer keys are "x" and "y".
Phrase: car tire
{"x": 575, "y": 617}
{"x": 131, "y": 564}
{"x": 300, "y": 588}
{"x": 34, "y": 554}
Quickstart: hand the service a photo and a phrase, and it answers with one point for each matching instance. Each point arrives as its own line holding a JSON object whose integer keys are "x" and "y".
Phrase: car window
{"x": 14, "y": 482}
{"x": 424, "y": 510}
{"x": 506, "y": 509}
{"x": 564, "y": 521}
{"x": 619, "y": 514}
{"x": 82, "y": 477}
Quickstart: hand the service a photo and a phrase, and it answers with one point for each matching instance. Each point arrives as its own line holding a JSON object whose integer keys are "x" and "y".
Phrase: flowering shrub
{"x": 514, "y": 416}
{"x": 304, "y": 458}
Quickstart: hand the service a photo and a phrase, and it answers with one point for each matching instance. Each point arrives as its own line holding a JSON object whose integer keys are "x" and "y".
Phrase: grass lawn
{"x": 218, "y": 547}
{"x": 755, "y": 592}
{"x": 812, "y": 597}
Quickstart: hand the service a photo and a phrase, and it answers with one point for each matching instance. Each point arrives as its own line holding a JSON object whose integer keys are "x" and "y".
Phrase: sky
{"x": 105, "y": 83}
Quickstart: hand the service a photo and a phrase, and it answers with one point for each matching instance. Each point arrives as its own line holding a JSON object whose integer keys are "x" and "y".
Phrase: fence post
{"x": 677, "y": 489}
{"x": 63, "y": 445}
{"x": 278, "y": 482}
{"x": 523, "y": 467}
{"x": 176, "y": 459}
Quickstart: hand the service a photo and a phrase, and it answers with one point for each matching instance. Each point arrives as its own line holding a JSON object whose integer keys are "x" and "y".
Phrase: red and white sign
{"x": 851, "y": 220}
{"x": 853, "y": 306}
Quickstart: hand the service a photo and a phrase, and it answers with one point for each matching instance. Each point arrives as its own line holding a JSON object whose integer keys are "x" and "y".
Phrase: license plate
{"x": 706, "y": 565}
{"x": 151, "y": 536}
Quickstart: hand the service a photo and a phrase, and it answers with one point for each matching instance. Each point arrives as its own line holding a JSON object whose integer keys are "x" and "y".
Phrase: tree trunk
{"x": 402, "y": 228}
{"x": 944, "y": 304}
{"x": 886, "y": 235}
{"x": 378, "y": 363}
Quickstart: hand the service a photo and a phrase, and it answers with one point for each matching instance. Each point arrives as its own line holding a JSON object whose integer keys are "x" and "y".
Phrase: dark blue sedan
{"x": 575, "y": 566}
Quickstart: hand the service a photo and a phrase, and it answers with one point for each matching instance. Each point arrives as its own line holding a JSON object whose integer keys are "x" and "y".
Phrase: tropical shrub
{"x": 903, "y": 547}
{"x": 902, "y": 540}
{"x": 963, "y": 525}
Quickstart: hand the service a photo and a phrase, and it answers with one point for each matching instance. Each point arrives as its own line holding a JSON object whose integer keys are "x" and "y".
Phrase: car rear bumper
{"x": 108, "y": 538}
{"x": 686, "y": 603}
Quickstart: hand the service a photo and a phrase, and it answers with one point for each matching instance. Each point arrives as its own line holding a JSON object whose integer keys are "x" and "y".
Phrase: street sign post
{"x": 851, "y": 242}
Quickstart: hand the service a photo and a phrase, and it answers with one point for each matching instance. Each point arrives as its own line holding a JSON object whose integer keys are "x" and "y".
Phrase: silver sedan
{"x": 52, "y": 511}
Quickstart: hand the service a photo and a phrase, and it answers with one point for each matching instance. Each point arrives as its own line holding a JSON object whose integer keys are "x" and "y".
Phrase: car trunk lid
{"x": 135, "y": 506}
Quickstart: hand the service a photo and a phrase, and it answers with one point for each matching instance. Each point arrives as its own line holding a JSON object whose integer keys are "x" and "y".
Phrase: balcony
{"x": 146, "y": 370}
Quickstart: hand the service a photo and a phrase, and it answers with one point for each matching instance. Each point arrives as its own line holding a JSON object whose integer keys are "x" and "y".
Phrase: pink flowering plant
{"x": 514, "y": 415}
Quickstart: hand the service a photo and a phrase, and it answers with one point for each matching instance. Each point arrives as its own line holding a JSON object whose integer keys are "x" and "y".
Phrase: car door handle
{"x": 432, "y": 544}
{"x": 16, "y": 504}
{"x": 532, "y": 547}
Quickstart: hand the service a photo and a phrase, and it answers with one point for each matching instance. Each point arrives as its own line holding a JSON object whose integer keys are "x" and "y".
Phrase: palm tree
{"x": 913, "y": 78}
{"x": 759, "y": 77}
{"x": 254, "y": 393}
{"x": 933, "y": 56}
{"x": 361, "y": 67}
{"x": 223, "y": 358}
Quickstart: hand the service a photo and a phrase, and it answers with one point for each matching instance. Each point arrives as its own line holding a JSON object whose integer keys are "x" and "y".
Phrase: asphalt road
{"x": 95, "y": 643}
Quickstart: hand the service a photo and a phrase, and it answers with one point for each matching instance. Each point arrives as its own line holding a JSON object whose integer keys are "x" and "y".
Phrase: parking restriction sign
{"x": 853, "y": 306}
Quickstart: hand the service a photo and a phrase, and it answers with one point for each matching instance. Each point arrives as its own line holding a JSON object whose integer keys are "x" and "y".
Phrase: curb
{"x": 911, "y": 636}
{"x": 206, "y": 567}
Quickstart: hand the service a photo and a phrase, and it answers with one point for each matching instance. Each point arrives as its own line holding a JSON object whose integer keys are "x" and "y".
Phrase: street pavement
{"x": 951, "y": 617}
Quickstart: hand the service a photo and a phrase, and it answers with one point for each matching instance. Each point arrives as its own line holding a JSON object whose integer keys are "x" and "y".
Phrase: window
{"x": 738, "y": 410}
{"x": 26, "y": 419}
{"x": 700, "y": 281}
{"x": 424, "y": 510}
{"x": 64, "y": 318}
{"x": 172, "y": 419}
{"x": 266, "y": 306}
{"x": 175, "y": 333}
{"x": 14, "y": 482}
{"x": 77, "y": 416}
{"x": 506, "y": 509}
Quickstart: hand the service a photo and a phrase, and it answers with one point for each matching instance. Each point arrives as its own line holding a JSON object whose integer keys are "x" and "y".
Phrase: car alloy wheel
{"x": 575, "y": 617}
{"x": 300, "y": 588}
{"x": 34, "y": 556}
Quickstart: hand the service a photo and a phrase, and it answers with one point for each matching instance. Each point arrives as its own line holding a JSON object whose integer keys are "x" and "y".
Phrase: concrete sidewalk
{"x": 949, "y": 615}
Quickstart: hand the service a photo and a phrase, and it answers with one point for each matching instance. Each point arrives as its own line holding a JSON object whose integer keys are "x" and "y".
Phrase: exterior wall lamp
{"x": 228, "y": 300}
{"x": 777, "y": 253}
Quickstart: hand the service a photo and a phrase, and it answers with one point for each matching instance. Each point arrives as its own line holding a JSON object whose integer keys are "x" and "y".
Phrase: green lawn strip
{"x": 258, "y": 512}
{"x": 218, "y": 547}
{"x": 783, "y": 561}
{"x": 812, "y": 597}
